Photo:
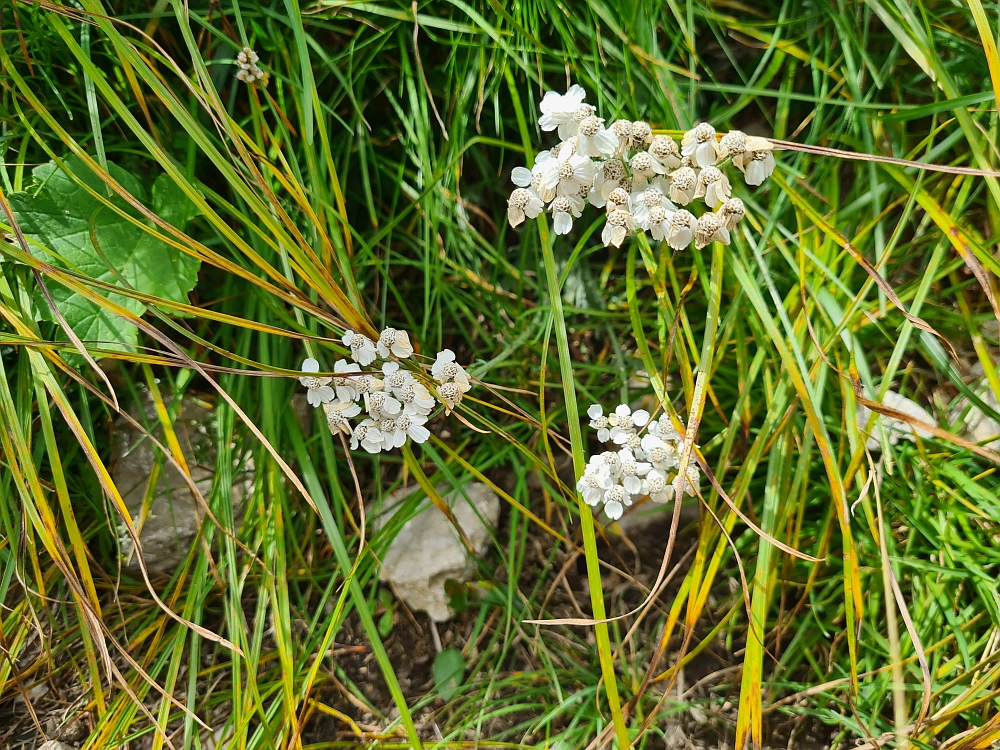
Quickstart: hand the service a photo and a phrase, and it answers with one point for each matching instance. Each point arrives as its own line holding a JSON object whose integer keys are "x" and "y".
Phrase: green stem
{"x": 714, "y": 301}
{"x": 576, "y": 440}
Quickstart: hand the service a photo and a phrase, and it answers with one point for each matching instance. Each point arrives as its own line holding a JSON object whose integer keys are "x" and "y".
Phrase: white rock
{"x": 35, "y": 691}
{"x": 674, "y": 737}
{"x": 978, "y": 426}
{"x": 175, "y": 515}
{"x": 218, "y": 739}
{"x": 55, "y": 745}
{"x": 895, "y": 428}
{"x": 428, "y": 551}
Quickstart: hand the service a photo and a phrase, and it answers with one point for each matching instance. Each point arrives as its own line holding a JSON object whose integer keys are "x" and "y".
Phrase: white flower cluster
{"x": 396, "y": 405}
{"x": 639, "y": 178}
{"x": 248, "y": 71}
{"x": 638, "y": 465}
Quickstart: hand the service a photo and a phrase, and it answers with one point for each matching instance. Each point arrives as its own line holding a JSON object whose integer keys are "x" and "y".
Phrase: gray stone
{"x": 979, "y": 427}
{"x": 894, "y": 428}
{"x": 175, "y": 515}
{"x": 55, "y": 745}
{"x": 428, "y": 551}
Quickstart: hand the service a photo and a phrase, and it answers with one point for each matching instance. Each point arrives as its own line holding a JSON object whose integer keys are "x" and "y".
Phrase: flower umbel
{"x": 639, "y": 466}
{"x": 640, "y": 177}
{"x": 396, "y": 406}
{"x": 246, "y": 61}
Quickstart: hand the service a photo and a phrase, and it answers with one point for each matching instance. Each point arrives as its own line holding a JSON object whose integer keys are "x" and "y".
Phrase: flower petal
{"x": 613, "y": 510}
{"x": 521, "y": 176}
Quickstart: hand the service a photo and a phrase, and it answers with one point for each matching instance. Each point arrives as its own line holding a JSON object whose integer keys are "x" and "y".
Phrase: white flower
{"x": 627, "y": 421}
{"x": 631, "y": 135}
{"x": 337, "y": 414}
{"x": 713, "y": 186}
{"x": 559, "y": 109}
{"x": 445, "y": 368}
{"x": 565, "y": 147}
{"x": 365, "y": 384}
{"x": 610, "y": 175}
{"x": 733, "y": 143}
{"x": 642, "y": 134}
{"x": 247, "y": 58}
{"x": 681, "y": 229}
{"x": 731, "y": 213}
{"x": 523, "y": 202}
{"x": 658, "y": 222}
{"x": 619, "y": 198}
{"x": 699, "y": 143}
{"x": 654, "y": 195}
{"x": 663, "y": 428}
{"x": 362, "y": 349}
{"x": 664, "y": 150}
{"x": 368, "y": 436}
{"x": 683, "y": 184}
{"x": 416, "y": 399}
{"x": 396, "y": 430}
{"x": 692, "y": 481}
{"x": 571, "y": 129}
{"x": 632, "y": 471}
{"x": 623, "y": 131}
{"x": 346, "y": 387}
{"x": 655, "y": 485}
{"x": 453, "y": 378}
{"x": 413, "y": 425}
{"x": 710, "y": 229}
{"x": 564, "y": 209}
{"x": 395, "y": 377}
{"x": 319, "y": 389}
{"x": 596, "y": 480}
{"x": 391, "y": 437}
{"x": 644, "y": 167}
{"x": 451, "y": 394}
{"x": 619, "y": 224}
{"x": 249, "y": 75}
{"x": 248, "y": 71}
{"x": 611, "y": 461}
{"x": 538, "y": 176}
{"x": 570, "y": 173}
{"x": 634, "y": 444}
{"x": 395, "y": 342}
{"x": 615, "y": 500}
{"x": 759, "y": 168}
{"x": 592, "y": 139}
{"x": 378, "y": 405}
{"x": 659, "y": 453}
{"x": 751, "y": 146}
{"x": 599, "y": 422}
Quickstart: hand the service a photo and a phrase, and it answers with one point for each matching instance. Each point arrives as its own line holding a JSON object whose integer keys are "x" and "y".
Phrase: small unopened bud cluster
{"x": 396, "y": 405}
{"x": 248, "y": 71}
{"x": 635, "y": 465}
{"x": 640, "y": 179}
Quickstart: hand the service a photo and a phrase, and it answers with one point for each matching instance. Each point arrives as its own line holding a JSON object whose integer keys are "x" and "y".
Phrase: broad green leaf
{"x": 57, "y": 213}
{"x": 449, "y": 672}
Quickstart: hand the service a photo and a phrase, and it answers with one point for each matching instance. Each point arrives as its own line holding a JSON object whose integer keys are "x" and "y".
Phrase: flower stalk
{"x": 576, "y": 440}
